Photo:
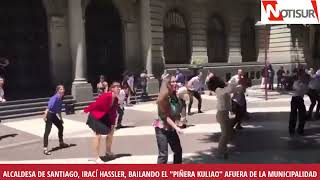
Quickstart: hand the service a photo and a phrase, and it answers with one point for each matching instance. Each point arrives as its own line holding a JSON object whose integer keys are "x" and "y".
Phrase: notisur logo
{"x": 289, "y": 12}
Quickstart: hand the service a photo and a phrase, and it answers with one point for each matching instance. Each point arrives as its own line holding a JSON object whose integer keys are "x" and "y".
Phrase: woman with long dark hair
{"x": 51, "y": 114}
{"x": 102, "y": 118}
{"x": 169, "y": 110}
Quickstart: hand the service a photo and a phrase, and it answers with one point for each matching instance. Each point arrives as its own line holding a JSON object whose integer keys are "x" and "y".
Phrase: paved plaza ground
{"x": 264, "y": 139}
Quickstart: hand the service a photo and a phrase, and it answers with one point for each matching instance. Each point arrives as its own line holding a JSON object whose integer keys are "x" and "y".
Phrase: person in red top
{"x": 102, "y": 118}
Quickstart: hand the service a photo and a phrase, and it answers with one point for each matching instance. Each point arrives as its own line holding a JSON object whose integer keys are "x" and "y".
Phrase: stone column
{"x": 145, "y": 33}
{"x": 81, "y": 89}
{"x": 60, "y": 62}
{"x": 234, "y": 40}
{"x": 146, "y": 45}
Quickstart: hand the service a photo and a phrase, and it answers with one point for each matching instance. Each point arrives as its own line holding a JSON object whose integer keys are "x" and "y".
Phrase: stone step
{"x": 14, "y": 116}
{"x": 26, "y": 101}
{"x": 33, "y": 107}
{"x": 22, "y": 111}
{"x": 34, "y": 104}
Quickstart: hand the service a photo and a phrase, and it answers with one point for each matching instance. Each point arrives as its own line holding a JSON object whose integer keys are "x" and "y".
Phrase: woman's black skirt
{"x": 101, "y": 126}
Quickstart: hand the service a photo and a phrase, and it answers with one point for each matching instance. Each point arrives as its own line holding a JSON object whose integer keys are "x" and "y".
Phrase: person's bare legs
{"x": 109, "y": 139}
{"x": 129, "y": 98}
{"x": 96, "y": 146}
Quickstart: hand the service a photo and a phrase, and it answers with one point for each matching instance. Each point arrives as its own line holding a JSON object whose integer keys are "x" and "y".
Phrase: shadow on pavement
{"x": 116, "y": 156}
{"x": 8, "y": 136}
{"x": 267, "y": 142}
{"x": 190, "y": 125}
{"x": 125, "y": 127}
{"x": 59, "y": 148}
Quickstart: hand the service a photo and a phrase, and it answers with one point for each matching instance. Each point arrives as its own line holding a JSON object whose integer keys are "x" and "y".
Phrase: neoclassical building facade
{"x": 72, "y": 42}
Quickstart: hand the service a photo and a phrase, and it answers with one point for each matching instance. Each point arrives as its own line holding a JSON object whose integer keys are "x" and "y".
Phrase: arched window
{"x": 216, "y": 40}
{"x": 176, "y": 40}
{"x": 24, "y": 43}
{"x": 248, "y": 41}
{"x": 104, "y": 41}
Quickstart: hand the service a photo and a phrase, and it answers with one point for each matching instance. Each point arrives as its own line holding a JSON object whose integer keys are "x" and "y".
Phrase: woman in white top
{"x": 121, "y": 101}
{"x": 223, "y": 92}
{"x": 102, "y": 85}
{"x": 132, "y": 92}
{"x": 183, "y": 96}
{"x": 1, "y": 90}
{"x": 298, "y": 107}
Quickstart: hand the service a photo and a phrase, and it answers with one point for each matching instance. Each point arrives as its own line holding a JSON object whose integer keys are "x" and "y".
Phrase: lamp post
{"x": 266, "y": 62}
{"x": 265, "y": 36}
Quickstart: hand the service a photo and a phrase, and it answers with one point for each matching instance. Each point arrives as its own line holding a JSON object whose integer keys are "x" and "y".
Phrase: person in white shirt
{"x": 121, "y": 101}
{"x": 1, "y": 90}
{"x": 297, "y": 105}
{"x": 223, "y": 93}
{"x": 144, "y": 81}
{"x": 311, "y": 72}
{"x": 183, "y": 97}
{"x": 130, "y": 82}
{"x": 239, "y": 103}
{"x": 236, "y": 78}
{"x": 194, "y": 86}
{"x": 102, "y": 85}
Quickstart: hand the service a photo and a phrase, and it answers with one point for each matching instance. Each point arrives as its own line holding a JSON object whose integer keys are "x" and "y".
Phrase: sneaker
{"x": 200, "y": 111}
{"x": 46, "y": 152}
{"x": 239, "y": 127}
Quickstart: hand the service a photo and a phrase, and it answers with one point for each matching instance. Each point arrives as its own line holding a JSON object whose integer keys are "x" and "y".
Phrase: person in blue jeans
{"x": 51, "y": 114}
{"x": 298, "y": 107}
{"x": 169, "y": 111}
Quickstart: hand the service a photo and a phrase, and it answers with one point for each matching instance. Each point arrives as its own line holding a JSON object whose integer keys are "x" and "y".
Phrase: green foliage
{"x": 198, "y": 61}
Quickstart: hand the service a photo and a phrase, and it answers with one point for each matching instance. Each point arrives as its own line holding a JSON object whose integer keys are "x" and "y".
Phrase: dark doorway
{"x": 104, "y": 41}
{"x": 24, "y": 42}
{"x": 248, "y": 41}
{"x": 216, "y": 40}
{"x": 176, "y": 39}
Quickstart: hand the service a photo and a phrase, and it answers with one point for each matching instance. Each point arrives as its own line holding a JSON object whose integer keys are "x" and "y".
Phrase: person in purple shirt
{"x": 180, "y": 77}
{"x": 51, "y": 114}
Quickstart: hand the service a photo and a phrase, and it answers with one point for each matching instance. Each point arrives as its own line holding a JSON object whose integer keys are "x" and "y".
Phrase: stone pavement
{"x": 264, "y": 139}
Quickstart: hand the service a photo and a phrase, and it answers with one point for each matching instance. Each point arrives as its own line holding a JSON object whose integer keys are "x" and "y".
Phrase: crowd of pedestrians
{"x": 174, "y": 105}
